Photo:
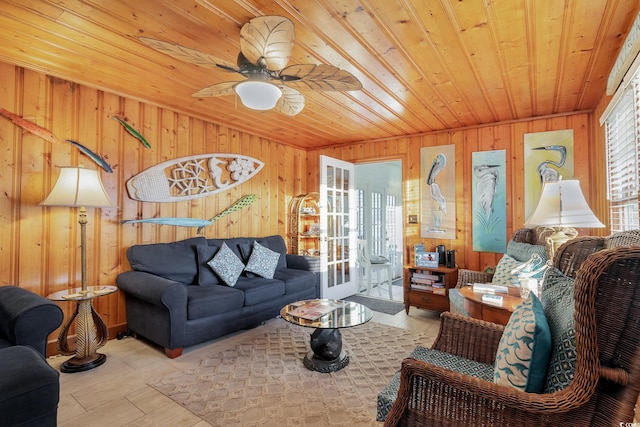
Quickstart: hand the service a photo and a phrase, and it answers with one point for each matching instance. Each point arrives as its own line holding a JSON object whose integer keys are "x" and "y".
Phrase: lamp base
{"x": 78, "y": 365}
{"x": 560, "y": 236}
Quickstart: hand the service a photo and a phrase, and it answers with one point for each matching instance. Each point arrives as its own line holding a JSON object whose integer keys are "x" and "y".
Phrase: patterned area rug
{"x": 258, "y": 379}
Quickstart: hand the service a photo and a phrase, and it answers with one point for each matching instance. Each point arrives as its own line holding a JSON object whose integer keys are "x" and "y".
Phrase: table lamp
{"x": 563, "y": 208}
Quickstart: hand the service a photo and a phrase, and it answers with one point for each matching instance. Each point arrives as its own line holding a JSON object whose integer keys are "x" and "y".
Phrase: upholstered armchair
{"x": 593, "y": 374}
{"x": 29, "y": 386}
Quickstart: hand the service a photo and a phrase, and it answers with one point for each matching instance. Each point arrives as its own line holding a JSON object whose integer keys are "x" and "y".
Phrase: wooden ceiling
{"x": 425, "y": 65}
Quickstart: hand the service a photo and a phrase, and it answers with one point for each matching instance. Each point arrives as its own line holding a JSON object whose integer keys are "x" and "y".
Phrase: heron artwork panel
{"x": 548, "y": 156}
{"x": 489, "y": 201}
{"x": 438, "y": 192}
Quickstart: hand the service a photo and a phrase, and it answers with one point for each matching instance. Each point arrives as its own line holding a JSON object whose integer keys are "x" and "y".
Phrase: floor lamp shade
{"x": 77, "y": 186}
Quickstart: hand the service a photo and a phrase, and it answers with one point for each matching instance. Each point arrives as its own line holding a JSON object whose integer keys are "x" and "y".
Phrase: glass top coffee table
{"x": 328, "y": 316}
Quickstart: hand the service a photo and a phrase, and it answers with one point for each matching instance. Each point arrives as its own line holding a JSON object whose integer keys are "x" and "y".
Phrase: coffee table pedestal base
{"x": 315, "y": 363}
{"x": 326, "y": 353}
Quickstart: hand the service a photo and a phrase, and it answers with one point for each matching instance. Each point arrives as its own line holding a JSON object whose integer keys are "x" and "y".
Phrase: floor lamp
{"x": 80, "y": 187}
{"x": 563, "y": 208}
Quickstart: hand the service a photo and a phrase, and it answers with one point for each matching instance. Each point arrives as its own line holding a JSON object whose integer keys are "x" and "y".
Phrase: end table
{"x": 91, "y": 331}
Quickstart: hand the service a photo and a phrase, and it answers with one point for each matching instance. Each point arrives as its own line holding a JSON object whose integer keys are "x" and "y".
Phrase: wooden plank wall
{"x": 39, "y": 247}
{"x": 589, "y": 165}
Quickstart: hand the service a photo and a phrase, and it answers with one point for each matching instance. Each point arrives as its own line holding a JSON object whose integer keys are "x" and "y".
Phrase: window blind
{"x": 623, "y": 137}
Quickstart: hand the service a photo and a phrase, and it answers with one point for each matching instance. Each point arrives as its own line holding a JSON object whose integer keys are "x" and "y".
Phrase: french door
{"x": 338, "y": 220}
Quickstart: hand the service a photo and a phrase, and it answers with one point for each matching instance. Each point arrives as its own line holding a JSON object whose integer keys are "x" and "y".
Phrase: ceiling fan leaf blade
{"x": 267, "y": 41}
{"x": 321, "y": 77}
{"x": 291, "y": 102}
{"x": 218, "y": 89}
{"x": 185, "y": 54}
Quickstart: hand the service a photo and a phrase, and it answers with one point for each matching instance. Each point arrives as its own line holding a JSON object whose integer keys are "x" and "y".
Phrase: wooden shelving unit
{"x": 434, "y": 298}
{"x": 304, "y": 225}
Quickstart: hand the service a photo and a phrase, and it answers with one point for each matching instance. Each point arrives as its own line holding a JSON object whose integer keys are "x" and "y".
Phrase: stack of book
{"x": 425, "y": 280}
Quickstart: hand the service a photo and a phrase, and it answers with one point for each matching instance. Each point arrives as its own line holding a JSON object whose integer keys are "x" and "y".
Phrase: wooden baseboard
{"x": 52, "y": 344}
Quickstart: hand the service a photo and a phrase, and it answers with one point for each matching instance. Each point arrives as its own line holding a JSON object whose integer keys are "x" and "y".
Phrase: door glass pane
{"x": 330, "y": 177}
{"x": 338, "y": 183}
{"x": 345, "y": 184}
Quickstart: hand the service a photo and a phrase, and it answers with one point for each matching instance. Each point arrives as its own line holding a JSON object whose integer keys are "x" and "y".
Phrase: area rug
{"x": 258, "y": 379}
{"x": 376, "y": 304}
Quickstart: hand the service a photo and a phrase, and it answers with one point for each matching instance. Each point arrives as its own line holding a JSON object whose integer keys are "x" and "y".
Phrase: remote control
{"x": 490, "y": 298}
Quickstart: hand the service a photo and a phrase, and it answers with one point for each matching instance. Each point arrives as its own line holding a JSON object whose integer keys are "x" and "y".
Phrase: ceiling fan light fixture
{"x": 258, "y": 95}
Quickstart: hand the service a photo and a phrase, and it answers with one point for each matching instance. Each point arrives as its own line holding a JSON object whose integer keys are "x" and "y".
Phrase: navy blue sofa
{"x": 174, "y": 299}
{"x": 29, "y": 386}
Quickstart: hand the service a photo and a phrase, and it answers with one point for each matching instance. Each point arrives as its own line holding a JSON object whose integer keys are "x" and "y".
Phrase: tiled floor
{"x": 117, "y": 394}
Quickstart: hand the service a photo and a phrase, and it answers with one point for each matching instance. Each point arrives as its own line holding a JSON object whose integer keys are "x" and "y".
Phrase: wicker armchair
{"x": 606, "y": 382}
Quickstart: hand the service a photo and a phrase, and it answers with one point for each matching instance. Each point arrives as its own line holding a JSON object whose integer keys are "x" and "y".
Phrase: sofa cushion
{"x": 523, "y": 352}
{"x": 503, "y": 275}
{"x": 522, "y": 251}
{"x": 226, "y": 265}
{"x": 174, "y": 261}
{"x": 295, "y": 280}
{"x": 204, "y": 301}
{"x": 557, "y": 300}
{"x": 263, "y": 261}
{"x": 206, "y": 275}
{"x": 448, "y": 361}
{"x": 257, "y": 289}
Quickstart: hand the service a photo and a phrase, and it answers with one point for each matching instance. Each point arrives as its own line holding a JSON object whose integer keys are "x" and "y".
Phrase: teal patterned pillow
{"x": 522, "y": 358}
{"x": 263, "y": 261}
{"x": 227, "y": 265}
{"x": 522, "y": 251}
{"x": 557, "y": 300}
{"x": 503, "y": 275}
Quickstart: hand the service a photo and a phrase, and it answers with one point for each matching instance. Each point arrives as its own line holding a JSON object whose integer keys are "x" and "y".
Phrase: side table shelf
{"x": 428, "y": 288}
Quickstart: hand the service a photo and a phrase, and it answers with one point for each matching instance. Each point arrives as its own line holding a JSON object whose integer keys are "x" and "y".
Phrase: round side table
{"x": 91, "y": 331}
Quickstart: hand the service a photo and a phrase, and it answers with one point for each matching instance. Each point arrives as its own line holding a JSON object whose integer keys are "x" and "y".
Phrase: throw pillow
{"x": 522, "y": 358}
{"x": 557, "y": 300}
{"x": 523, "y": 251}
{"x": 263, "y": 261}
{"x": 503, "y": 275}
{"x": 206, "y": 275}
{"x": 227, "y": 265}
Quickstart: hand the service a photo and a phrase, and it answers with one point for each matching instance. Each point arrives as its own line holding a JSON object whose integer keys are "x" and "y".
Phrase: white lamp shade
{"x": 78, "y": 187}
{"x": 258, "y": 95}
{"x": 562, "y": 204}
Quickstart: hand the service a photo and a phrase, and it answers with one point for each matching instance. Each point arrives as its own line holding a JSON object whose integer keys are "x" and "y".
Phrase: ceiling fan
{"x": 266, "y": 43}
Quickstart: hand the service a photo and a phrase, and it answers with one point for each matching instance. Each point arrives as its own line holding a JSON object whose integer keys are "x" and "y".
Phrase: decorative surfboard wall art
{"x": 49, "y": 136}
{"x": 192, "y": 177}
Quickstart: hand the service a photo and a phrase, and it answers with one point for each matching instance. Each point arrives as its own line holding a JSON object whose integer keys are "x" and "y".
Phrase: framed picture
{"x": 427, "y": 259}
{"x": 547, "y": 157}
{"x": 438, "y": 192}
{"x": 489, "y": 201}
